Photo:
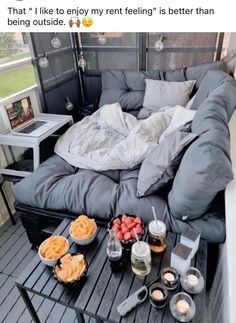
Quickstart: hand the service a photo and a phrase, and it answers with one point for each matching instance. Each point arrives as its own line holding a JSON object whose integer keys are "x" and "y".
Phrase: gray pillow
{"x": 159, "y": 167}
{"x": 159, "y": 94}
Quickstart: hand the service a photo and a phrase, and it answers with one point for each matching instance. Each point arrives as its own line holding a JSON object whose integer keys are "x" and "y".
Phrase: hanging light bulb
{"x": 82, "y": 61}
{"x": 55, "y": 42}
{"x": 159, "y": 44}
{"x": 69, "y": 104}
{"x": 102, "y": 39}
{"x": 43, "y": 62}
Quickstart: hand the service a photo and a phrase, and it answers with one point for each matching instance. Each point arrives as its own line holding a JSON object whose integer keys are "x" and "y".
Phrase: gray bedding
{"x": 56, "y": 185}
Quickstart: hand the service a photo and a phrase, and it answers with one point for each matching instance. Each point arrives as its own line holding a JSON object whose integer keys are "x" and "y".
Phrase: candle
{"x": 183, "y": 307}
{"x": 157, "y": 294}
{"x": 169, "y": 277}
{"x": 192, "y": 280}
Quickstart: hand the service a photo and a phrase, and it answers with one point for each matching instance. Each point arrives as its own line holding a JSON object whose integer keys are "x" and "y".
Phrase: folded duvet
{"x": 112, "y": 139}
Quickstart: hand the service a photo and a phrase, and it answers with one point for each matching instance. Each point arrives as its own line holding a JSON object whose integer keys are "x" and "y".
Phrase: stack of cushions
{"x": 205, "y": 168}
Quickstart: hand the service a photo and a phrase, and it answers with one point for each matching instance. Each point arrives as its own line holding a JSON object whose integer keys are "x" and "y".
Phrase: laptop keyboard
{"x": 32, "y": 127}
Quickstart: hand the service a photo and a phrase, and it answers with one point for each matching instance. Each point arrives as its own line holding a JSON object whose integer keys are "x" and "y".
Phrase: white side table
{"x": 9, "y": 139}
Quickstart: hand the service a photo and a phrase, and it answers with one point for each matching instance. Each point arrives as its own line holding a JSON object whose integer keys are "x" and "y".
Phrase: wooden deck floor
{"x": 15, "y": 254}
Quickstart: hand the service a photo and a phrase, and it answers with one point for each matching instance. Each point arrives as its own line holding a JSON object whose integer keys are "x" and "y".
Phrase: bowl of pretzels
{"x": 70, "y": 268}
{"x": 53, "y": 249}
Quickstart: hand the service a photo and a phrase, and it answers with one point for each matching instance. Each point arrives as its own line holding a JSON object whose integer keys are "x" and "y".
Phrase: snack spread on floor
{"x": 83, "y": 227}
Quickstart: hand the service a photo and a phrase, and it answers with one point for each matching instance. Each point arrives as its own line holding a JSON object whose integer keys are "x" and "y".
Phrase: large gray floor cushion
{"x": 205, "y": 168}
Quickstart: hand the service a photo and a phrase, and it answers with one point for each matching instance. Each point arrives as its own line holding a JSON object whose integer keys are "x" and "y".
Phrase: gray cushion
{"x": 205, "y": 168}
{"x": 159, "y": 167}
{"x": 159, "y": 94}
{"x": 128, "y": 87}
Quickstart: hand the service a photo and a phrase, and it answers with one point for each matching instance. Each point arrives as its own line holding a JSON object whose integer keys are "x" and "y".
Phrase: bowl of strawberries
{"x": 124, "y": 225}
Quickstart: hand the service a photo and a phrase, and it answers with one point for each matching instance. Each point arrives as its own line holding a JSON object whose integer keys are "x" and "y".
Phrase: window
{"x": 110, "y": 50}
{"x": 16, "y": 70}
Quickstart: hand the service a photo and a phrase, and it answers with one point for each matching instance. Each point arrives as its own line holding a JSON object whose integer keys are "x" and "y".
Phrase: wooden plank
{"x": 6, "y": 259}
{"x": 108, "y": 297}
{"x": 99, "y": 289}
{"x": 68, "y": 316}
{"x": 45, "y": 310}
{"x": 8, "y": 303}
{"x": 4, "y": 237}
{"x": 16, "y": 260}
{"x": 36, "y": 301}
{"x": 16, "y": 311}
{"x": 3, "y": 278}
{"x": 24, "y": 262}
{"x": 7, "y": 245}
{"x": 93, "y": 274}
{"x": 6, "y": 288}
{"x": 56, "y": 313}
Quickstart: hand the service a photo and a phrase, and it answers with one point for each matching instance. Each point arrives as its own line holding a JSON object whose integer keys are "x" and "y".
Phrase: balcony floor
{"x": 15, "y": 254}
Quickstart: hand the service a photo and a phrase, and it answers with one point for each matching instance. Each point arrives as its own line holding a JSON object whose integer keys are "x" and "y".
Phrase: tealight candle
{"x": 157, "y": 294}
{"x": 192, "y": 280}
{"x": 182, "y": 306}
{"x": 169, "y": 277}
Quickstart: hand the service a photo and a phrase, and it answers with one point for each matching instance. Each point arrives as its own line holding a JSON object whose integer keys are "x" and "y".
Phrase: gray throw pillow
{"x": 159, "y": 167}
{"x": 159, "y": 94}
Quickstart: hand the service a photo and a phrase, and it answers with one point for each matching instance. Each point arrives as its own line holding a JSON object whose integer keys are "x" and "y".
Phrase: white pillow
{"x": 162, "y": 93}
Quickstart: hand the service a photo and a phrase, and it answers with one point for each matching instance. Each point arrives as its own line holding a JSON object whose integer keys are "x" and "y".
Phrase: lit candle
{"x": 183, "y": 307}
{"x": 169, "y": 277}
{"x": 192, "y": 280}
{"x": 157, "y": 294}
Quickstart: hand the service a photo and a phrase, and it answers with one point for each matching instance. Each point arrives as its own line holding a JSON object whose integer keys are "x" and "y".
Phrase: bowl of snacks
{"x": 70, "y": 268}
{"x": 52, "y": 249}
{"x": 83, "y": 230}
{"x": 124, "y": 226}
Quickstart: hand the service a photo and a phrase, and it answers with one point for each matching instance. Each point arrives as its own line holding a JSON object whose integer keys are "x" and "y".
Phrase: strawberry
{"x": 119, "y": 235}
{"x": 116, "y": 225}
{"x": 123, "y": 225}
{"x": 138, "y": 228}
{"x": 124, "y": 229}
{"x": 117, "y": 220}
{"x": 124, "y": 217}
{"x": 132, "y": 234}
{"x": 137, "y": 220}
{"x": 131, "y": 225}
{"x": 127, "y": 236}
{"x": 129, "y": 220}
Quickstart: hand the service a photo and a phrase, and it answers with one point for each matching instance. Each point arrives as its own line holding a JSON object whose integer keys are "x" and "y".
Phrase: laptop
{"x": 22, "y": 120}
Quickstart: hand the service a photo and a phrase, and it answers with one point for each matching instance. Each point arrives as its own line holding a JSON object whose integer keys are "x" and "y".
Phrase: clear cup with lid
{"x": 157, "y": 236}
{"x": 141, "y": 258}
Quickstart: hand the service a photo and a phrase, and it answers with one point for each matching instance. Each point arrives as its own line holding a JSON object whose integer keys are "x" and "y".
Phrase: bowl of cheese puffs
{"x": 52, "y": 249}
{"x": 83, "y": 230}
{"x": 70, "y": 268}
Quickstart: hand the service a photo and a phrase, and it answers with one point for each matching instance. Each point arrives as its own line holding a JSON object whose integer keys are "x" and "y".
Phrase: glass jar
{"x": 141, "y": 258}
{"x": 157, "y": 236}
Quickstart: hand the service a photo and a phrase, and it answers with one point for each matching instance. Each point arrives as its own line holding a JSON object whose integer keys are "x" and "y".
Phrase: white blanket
{"x": 113, "y": 139}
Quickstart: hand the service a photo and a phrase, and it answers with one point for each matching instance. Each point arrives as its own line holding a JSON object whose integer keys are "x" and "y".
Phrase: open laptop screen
{"x": 19, "y": 112}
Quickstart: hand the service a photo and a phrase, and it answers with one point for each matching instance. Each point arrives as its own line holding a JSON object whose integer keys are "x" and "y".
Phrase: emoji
{"x": 87, "y": 21}
{"x": 74, "y": 22}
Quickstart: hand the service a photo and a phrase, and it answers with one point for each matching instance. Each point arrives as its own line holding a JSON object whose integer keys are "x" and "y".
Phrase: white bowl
{"x": 84, "y": 241}
{"x": 52, "y": 262}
